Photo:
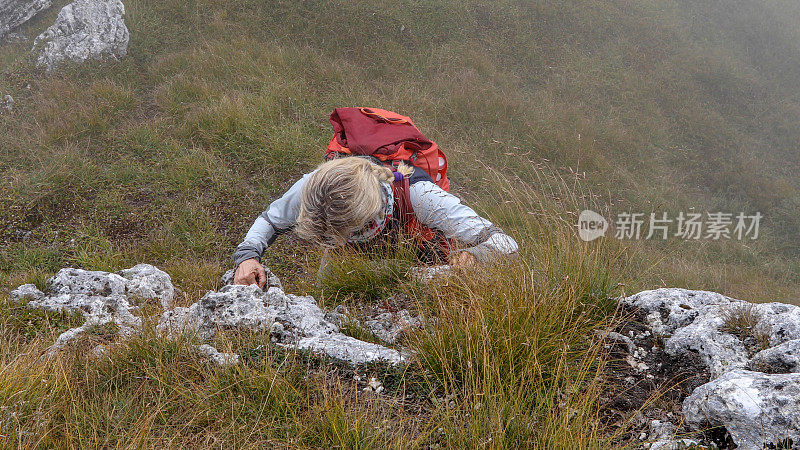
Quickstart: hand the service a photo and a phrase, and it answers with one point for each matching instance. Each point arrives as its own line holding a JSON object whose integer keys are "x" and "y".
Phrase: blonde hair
{"x": 341, "y": 197}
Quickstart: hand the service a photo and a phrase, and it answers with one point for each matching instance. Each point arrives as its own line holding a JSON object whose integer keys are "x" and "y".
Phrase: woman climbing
{"x": 385, "y": 188}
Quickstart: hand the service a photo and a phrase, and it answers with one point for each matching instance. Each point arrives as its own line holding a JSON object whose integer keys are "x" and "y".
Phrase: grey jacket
{"x": 433, "y": 207}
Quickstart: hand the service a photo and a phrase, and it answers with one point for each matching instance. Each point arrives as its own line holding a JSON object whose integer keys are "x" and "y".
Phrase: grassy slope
{"x": 168, "y": 155}
{"x": 220, "y": 105}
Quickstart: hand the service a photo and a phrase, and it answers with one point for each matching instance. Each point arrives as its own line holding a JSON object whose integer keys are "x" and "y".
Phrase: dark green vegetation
{"x": 544, "y": 108}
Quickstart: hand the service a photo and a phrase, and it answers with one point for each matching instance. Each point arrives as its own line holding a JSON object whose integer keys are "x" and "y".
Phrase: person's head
{"x": 342, "y": 197}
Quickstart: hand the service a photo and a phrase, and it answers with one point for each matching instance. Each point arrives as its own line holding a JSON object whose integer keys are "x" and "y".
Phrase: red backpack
{"x": 387, "y": 136}
{"x": 391, "y": 138}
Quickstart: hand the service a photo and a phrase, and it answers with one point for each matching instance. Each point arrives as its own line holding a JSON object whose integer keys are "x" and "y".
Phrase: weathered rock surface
{"x": 146, "y": 281}
{"x": 217, "y": 357}
{"x": 14, "y": 13}
{"x": 293, "y": 321}
{"x": 663, "y": 436}
{"x": 783, "y": 358}
{"x": 390, "y": 327}
{"x": 759, "y": 410}
{"x": 84, "y": 29}
{"x": 757, "y": 407}
{"x": 697, "y": 321}
{"x": 101, "y": 297}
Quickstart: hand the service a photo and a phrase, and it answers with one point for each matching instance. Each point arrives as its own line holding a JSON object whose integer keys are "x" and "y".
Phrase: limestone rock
{"x": 779, "y": 321}
{"x": 696, "y": 321}
{"x": 757, "y": 409}
{"x": 233, "y": 307}
{"x": 783, "y": 358}
{"x": 179, "y": 320}
{"x": 14, "y": 13}
{"x": 217, "y": 357}
{"x": 101, "y": 297}
{"x": 84, "y": 29}
{"x": 26, "y": 293}
{"x": 390, "y": 327}
{"x": 303, "y": 325}
{"x": 293, "y": 321}
{"x": 662, "y": 436}
{"x": 147, "y": 281}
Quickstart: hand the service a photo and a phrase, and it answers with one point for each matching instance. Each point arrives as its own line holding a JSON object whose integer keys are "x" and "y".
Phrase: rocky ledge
{"x": 738, "y": 364}
{"x": 293, "y": 321}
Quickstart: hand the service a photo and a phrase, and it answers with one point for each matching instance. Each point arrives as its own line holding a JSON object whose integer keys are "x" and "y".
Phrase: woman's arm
{"x": 440, "y": 210}
{"x": 278, "y": 218}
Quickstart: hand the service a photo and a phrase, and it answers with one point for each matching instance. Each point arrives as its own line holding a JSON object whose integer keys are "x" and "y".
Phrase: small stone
{"x": 374, "y": 386}
{"x": 8, "y": 102}
{"x": 276, "y": 329}
{"x": 217, "y": 357}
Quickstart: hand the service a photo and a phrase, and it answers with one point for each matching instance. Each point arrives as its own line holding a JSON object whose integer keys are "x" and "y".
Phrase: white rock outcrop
{"x": 14, "y": 13}
{"x": 83, "y": 30}
{"x": 293, "y": 321}
{"x": 697, "y": 321}
{"x": 759, "y": 407}
{"x": 758, "y": 410}
{"x": 101, "y": 297}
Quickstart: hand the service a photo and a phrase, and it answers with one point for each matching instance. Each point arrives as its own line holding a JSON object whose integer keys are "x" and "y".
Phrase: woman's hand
{"x": 463, "y": 260}
{"x": 250, "y": 271}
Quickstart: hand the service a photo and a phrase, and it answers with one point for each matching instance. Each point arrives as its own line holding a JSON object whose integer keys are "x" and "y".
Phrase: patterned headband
{"x": 372, "y": 228}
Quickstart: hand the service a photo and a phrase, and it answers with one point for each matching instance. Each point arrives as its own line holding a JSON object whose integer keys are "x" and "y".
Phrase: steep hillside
{"x": 544, "y": 108}
{"x": 666, "y": 106}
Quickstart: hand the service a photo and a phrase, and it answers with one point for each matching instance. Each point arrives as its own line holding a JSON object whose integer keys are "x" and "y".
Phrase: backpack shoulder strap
{"x": 402, "y": 200}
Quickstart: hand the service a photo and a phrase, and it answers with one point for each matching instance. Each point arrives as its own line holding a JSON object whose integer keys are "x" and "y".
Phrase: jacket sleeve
{"x": 440, "y": 210}
{"x": 278, "y": 218}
